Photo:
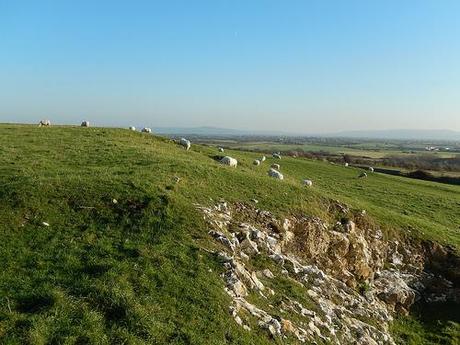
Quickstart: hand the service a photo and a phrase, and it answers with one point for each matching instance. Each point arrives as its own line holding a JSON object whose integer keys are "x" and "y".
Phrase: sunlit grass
{"x": 120, "y": 261}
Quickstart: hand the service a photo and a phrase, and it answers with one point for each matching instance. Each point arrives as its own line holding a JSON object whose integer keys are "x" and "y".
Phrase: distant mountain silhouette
{"x": 413, "y": 134}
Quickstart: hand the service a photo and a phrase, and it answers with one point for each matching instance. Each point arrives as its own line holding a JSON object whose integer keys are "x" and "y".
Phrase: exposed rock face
{"x": 356, "y": 281}
{"x": 391, "y": 287}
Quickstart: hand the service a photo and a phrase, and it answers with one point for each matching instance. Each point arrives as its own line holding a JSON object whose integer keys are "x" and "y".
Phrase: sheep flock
{"x": 274, "y": 169}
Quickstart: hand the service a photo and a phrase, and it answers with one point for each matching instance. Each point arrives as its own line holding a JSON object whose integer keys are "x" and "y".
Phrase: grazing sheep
{"x": 85, "y": 124}
{"x": 256, "y": 162}
{"x": 363, "y": 174}
{"x": 276, "y": 155}
{"x": 263, "y": 159}
{"x": 308, "y": 183}
{"x": 229, "y": 161}
{"x": 221, "y": 149}
{"x": 371, "y": 169}
{"x": 185, "y": 143}
{"x": 275, "y": 166}
{"x": 146, "y": 130}
{"x": 275, "y": 174}
{"x": 132, "y": 128}
{"x": 346, "y": 164}
{"x": 45, "y": 123}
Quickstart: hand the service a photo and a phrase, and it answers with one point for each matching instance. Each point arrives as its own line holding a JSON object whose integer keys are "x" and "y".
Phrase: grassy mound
{"x": 121, "y": 260}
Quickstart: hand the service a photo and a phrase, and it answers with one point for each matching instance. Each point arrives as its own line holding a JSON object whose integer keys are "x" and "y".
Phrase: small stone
{"x": 45, "y": 224}
{"x": 274, "y": 327}
{"x": 232, "y": 311}
{"x": 114, "y": 201}
{"x": 306, "y": 312}
{"x": 286, "y": 224}
{"x": 238, "y": 320}
{"x": 244, "y": 256}
{"x": 350, "y": 226}
{"x": 268, "y": 273}
{"x": 277, "y": 258}
{"x": 257, "y": 283}
{"x": 312, "y": 294}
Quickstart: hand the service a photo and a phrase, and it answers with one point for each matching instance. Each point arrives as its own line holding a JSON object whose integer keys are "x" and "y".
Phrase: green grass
{"x": 438, "y": 324}
{"x": 133, "y": 272}
{"x": 370, "y": 150}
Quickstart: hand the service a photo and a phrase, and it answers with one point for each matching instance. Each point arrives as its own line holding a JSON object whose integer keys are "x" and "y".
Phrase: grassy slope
{"x": 132, "y": 271}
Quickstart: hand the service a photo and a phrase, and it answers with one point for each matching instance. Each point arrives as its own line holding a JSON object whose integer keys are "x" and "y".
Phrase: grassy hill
{"x": 121, "y": 260}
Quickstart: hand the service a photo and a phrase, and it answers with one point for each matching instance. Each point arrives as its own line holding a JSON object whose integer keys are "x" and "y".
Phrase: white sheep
{"x": 371, "y": 169}
{"x": 227, "y": 160}
{"x": 263, "y": 158}
{"x": 308, "y": 183}
{"x": 185, "y": 143}
{"x": 146, "y": 130}
{"x": 221, "y": 149}
{"x": 275, "y": 166}
{"x": 276, "y": 155}
{"x": 256, "y": 162}
{"x": 132, "y": 128}
{"x": 275, "y": 174}
{"x": 346, "y": 164}
{"x": 85, "y": 124}
{"x": 45, "y": 123}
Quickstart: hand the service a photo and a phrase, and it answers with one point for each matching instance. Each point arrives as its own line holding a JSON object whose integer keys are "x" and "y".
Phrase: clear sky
{"x": 303, "y": 66}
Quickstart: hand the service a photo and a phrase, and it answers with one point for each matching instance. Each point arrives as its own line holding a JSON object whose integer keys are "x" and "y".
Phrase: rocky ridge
{"x": 353, "y": 279}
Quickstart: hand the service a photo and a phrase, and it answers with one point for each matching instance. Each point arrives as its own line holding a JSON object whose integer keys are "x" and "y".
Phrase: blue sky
{"x": 303, "y": 66}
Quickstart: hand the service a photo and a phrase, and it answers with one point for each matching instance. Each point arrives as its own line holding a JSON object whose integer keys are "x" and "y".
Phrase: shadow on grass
{"x": 34, "y": 303}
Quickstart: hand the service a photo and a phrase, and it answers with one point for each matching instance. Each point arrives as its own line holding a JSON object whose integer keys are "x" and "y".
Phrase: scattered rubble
{"x": 355, "y": 279}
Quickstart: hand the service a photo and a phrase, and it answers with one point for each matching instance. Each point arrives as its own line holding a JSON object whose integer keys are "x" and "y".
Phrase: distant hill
{"x": 411, "y": 134}
{"x": 414, "y": 134}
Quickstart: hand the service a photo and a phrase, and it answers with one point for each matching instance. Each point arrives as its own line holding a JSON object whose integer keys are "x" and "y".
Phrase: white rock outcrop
{"x": 327, "y": 261}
